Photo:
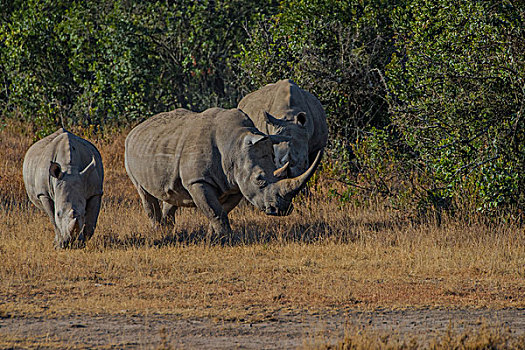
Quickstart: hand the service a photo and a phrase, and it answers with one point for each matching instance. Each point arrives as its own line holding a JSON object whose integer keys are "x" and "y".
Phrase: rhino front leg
{"x": 231, "y": 202}
{"x": 92, "y": 211}
{"x": 49, "y": 208}
{"x": 205, "y": 198}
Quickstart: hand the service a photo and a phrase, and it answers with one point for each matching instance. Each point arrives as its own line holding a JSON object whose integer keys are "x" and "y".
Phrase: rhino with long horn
{"x": 63, "y": 176}
{"x": 210, "y": 160}
{"x": 283, "y": 108}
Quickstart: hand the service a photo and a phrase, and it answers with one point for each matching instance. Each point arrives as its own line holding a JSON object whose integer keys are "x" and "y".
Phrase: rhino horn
{"x": 270, "y": 119}
{"x": 89, "y": 168}
{"x": 281, "y": 172}
{"x": 74, "y": 225}
{"x": 288, "y": 188}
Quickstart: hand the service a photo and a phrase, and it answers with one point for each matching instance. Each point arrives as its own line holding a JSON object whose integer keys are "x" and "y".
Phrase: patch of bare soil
{"x": 280, "y": 331}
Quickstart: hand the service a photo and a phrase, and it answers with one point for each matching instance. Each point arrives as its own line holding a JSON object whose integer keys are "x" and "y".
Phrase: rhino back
{"x": 285, "y": 99}
{"x": 256, "y": 103}
{"x": 172, "y": 150}
{"x": 71, "y": 152}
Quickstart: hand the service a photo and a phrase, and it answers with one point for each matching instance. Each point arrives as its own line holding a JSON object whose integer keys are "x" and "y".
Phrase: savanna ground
{"x": 362, "y": 274}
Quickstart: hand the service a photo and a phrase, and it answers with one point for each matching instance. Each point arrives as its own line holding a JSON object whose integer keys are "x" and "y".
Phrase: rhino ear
{"x": 270, "y": 119}
{"x": 55, "y": 170}
{"x": 89, "y": 168}
{"x": 279, "y": 138}
{"x": 252, "y": 139}
{"x": 300, "y": 118}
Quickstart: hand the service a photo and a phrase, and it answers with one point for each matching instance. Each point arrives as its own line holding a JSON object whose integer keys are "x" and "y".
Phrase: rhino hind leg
{"x": 151, "y": 206}
{"x": 168, "y": 214}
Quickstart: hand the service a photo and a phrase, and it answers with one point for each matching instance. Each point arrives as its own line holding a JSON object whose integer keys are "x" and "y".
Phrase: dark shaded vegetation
{"x": 425, "y": 99}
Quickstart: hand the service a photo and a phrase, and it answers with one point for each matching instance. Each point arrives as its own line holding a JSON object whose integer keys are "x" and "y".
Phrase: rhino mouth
{"x": 273, "y": 210}
{"x": 73, "y": 237}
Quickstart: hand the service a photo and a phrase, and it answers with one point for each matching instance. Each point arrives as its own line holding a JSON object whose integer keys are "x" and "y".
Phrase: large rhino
{"x": 285, "y": 109}
{"x": 210, "y": 160}
{"x": 63, "y": 175}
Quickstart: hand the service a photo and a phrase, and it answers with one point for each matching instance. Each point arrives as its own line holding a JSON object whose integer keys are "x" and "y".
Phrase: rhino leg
{"x": 231, "y": 202}
{"x": 205, "y": 198}
{"x": 151, "y": 206}
{"x": 168, "y": 214}
{"x": 92, "y": 211}
{"x": 49, "y": 208}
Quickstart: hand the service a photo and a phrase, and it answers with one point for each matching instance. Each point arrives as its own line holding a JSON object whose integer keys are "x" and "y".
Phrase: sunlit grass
{"x": 484, "y": 337}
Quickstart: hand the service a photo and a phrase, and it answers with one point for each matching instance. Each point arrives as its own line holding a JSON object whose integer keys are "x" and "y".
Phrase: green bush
{"x": 458, "y": 95}
{"x": 116, "y": 62}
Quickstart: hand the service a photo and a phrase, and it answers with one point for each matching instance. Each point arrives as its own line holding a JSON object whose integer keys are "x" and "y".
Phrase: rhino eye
{"x": 59, "y": 213}
{"x": 260, "y": 181}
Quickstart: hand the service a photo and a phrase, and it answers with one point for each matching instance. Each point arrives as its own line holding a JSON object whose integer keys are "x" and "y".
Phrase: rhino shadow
{"x": 174, "y": 237}
{"x": 310, "y": 232}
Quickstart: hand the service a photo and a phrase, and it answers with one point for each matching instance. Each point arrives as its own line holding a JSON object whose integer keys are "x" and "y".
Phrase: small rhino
{"x": 63, "y": 175}
{"x": 283, "y": 108}
{"x": 210, "y": 160}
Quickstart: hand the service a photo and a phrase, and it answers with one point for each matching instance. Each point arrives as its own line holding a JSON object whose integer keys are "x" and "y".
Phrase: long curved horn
{"x": 288, "y": 188}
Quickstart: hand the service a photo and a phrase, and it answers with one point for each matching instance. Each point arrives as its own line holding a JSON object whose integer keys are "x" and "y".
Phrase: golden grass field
{"x": 324, "y": 257}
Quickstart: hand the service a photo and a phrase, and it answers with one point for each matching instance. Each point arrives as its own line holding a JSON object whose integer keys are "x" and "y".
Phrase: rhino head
{"x": 70, "y": 203}
{"x": 262, "y": 183}
{"x": 295, "y": 150}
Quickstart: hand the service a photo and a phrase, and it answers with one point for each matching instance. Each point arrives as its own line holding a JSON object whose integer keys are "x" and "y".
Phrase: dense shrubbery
{"x": 458, "y": 97}
{"x": 425, "y": 99}
{"x": 69, "y": 62}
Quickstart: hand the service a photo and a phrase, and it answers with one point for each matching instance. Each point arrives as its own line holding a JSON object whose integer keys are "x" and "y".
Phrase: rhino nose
{"x": 271, "y": 210}
{"x": 305, "y": 165}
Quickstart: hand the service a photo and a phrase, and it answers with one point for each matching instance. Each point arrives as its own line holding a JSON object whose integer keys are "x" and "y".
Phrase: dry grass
{"x": 485, "y": 337}
{"x": 322, "y": 257}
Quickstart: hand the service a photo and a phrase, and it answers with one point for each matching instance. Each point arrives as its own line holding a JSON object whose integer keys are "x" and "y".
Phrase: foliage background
{"x": 425, "y": 99}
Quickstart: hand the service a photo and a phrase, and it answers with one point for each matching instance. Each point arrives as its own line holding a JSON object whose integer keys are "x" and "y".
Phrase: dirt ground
{"x": 281, "y": 331}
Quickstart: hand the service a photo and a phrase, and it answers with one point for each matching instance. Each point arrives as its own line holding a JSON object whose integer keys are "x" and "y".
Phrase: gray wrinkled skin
{"x": 210, "y": 160}
{"x": 285, "y": 109}
{"x": 63, "y": 176}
